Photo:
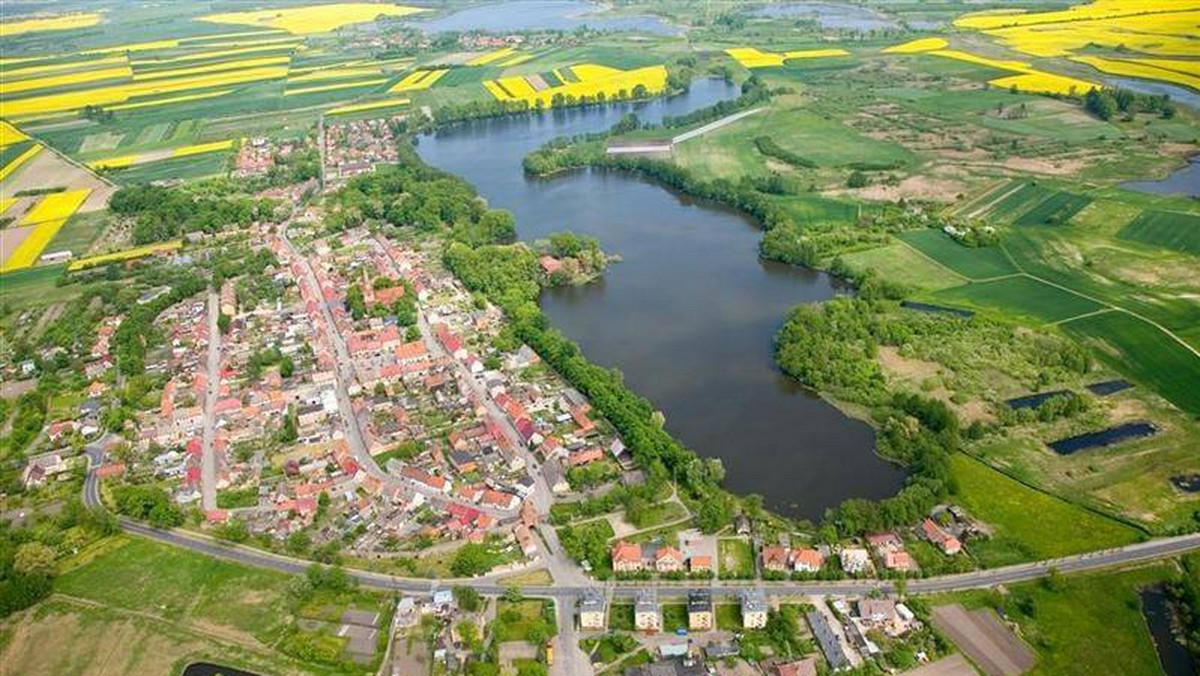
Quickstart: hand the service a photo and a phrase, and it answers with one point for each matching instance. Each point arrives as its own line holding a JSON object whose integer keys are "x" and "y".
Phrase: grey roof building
{"x": 835, "y": 654}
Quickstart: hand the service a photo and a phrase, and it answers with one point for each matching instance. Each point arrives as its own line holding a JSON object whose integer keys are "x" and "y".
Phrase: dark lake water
{"x": 208, "y": 669}
{"x": 831, "y": 15}
{"x": 1172, "y": 655}
{"x": 541, "y": 15}
{"x": 688, "y": 315}
{"x": 1182, "y": 181}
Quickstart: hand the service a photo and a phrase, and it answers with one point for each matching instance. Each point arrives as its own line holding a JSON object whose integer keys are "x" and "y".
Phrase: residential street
{"x": 208, "y": 458}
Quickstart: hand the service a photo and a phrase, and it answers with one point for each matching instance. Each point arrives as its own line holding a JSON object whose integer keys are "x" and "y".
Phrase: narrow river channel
{"x": 690, "y": 312}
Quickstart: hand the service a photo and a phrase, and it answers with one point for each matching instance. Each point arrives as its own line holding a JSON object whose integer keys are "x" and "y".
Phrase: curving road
{"x": 1135, "y": 553}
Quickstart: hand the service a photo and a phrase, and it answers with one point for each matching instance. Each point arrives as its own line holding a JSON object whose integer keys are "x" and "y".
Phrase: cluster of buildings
{"x": 257, "y": 156}
{"x": 364, "y": 403}
{"x": 632, "y": 557}
{"x": 355, "y": 147}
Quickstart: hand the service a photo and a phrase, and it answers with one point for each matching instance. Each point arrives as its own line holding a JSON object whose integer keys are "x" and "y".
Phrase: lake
{"x": 690, "y": 312}
{"x": 1183, "y": 181}
{"x": 832, "y": 15}
{"x": 522, "y": 15}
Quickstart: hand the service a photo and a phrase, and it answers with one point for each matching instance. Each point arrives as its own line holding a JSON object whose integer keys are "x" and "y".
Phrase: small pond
{"x": 1173, "y": 656}
{"x": 209, "y": 669}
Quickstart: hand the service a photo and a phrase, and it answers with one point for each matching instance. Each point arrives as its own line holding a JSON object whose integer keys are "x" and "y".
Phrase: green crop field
{"x": 903, "y": 264}
{"x": 1017, "y": 203}
{"x": 1019, "y": 296}
{"x": 1055, "y": 210}
{"x": 978, "y": 263}
{"x": 1145, "y": 353}
{"x": 1168, "y": 229}
{"x": 1028, "y": 523}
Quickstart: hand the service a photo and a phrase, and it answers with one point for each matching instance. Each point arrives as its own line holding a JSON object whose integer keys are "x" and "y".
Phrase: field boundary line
{"x": 1187, "y": 346}
{"x": 935, "y": 261}
{"x": 994, "y": 202}
{"x": 1085, "y": 315}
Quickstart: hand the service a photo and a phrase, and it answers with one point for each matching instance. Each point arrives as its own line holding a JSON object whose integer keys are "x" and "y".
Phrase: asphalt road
{"x": 1136, "y": 553}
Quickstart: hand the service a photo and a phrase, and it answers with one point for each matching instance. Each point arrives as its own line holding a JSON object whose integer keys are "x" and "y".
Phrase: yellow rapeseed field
{"x": 1145, "y": 69}
{"x": 313, "y": 19}
{"x": 116, "y": 94}
{"x": 517, "y": 60}
{"x": 417, "y": 80}
{"x": 6, "y": 202}
{"x": 1092, "y": 11}
{"x": 122, "y": 161}
{"x": 10, "y": 134}
{"x": 54, "y": 23}
{"x": 9, "y": 87}
{"x": 19, "y": 160}
{"x": 1029, "y": 79}
{"x": 117, "y": 162}
{"x": 200, "y": 148}
{"x": 751, "y": 57}
{"x": 917, "y": 46}
{"x": 593, "y": 80}
{"x": 55, "y": 206}
{"x": 370, "y": 105}
{"x": 48, "y": 216}
{"x": 496, "y": 55}
{"x": 29, "y": 71}
{"x": 126, "y": 255}
{"x": 1152, "y": 27}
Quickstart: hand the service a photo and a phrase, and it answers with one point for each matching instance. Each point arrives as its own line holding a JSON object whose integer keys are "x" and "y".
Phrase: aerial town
{"x": 650, "y": 338}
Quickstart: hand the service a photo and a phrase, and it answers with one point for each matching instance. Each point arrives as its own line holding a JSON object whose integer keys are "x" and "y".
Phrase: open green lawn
{"x": 35, "y": 286}
{"x": 621, "y": 617}
{"x": 1028, "y": 523}
{"x": 901, "y": 263}
{"x": 735, "y": 558}
{"x": 674, "y": 616}
{"x": 728, "y": 616}
{"x": 1145, "y": 354}
{"x": 1167, "y": 229}
{"x": 1082, "y": 625}
{"x": 146, "y": 576}
{"x": 1019, "y": 296}
{"x": 520, "y": 620}
{"x": 980, "y": 263}
{"x": 730, "y": 151}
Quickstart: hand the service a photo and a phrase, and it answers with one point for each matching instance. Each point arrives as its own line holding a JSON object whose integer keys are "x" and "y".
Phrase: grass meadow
{"x": 1081, "y": 625}
{"x": 981, "y": 263}
{"x": 1144, "y": 353}
{"x": 1028, "y": 523}
{"x": 1019, "y": 296}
